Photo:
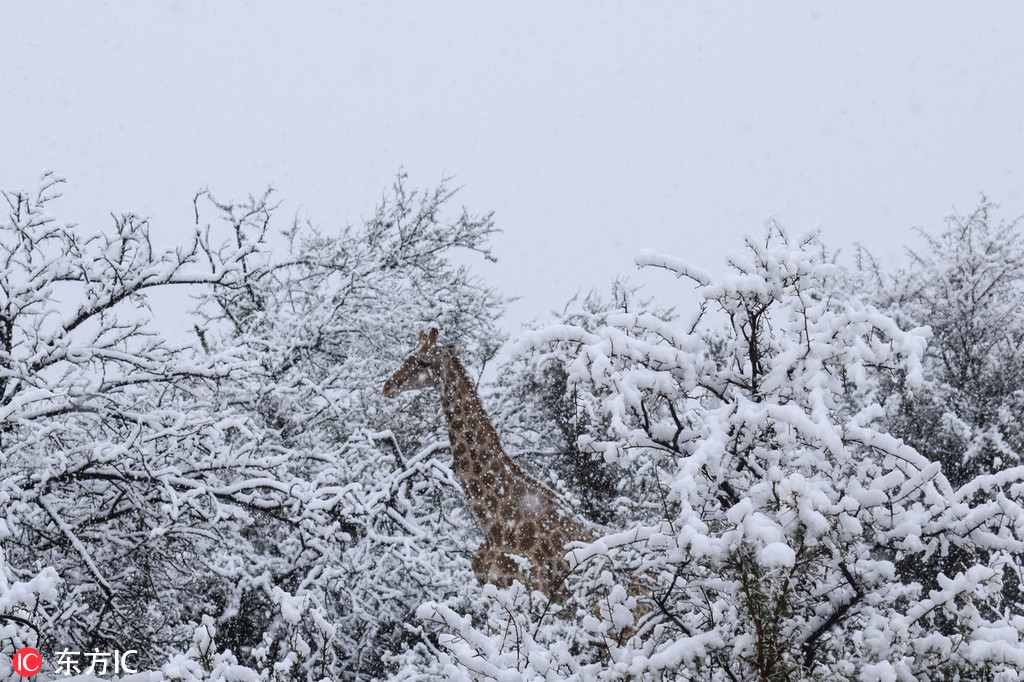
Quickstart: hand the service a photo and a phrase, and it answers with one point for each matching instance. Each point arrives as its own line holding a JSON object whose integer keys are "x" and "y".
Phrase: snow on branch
{"x": 649, "y": 258}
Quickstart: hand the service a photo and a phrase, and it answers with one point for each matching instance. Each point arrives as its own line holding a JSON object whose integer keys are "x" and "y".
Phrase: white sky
{"x": 591, "y": 129}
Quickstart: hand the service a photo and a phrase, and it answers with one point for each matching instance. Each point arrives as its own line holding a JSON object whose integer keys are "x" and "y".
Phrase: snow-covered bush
{"x": 966, "y": 283}
{"x": 113, "y": 473}
{"x": 26, "y": 610}
{"x": 199, "y": 482}
{"x": 785, "y": 507}
{"x": 542, "y": 416}
{"x": 383, "y": 526}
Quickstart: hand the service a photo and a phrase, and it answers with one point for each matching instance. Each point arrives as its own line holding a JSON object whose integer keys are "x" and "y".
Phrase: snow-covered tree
{"x": 385, "y": 526}
{"x": 786, "y": 506}
{"x": 246, "y": 491}
{"x": 112, "y": 474}
{"x": 967, "y": 284}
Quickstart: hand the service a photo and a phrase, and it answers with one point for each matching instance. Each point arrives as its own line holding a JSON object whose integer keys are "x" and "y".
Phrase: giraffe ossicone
{"x": 520, "y": 516}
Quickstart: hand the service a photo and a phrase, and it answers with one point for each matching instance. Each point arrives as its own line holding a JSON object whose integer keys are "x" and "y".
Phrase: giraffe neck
{"x": 483, "y": 467}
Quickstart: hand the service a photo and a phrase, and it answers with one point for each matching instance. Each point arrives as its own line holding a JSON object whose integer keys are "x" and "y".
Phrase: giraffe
{"x": 519, "y": 515}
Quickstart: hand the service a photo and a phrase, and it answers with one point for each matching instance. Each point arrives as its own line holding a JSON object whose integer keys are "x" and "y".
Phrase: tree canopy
{"x": 814, "y": 474}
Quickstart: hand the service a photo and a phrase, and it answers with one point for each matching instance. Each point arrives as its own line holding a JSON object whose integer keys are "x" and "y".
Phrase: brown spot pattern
{"x": 519, "y": 514}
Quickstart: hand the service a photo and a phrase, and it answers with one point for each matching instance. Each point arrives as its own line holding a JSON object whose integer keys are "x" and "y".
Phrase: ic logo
{"x": 27, "y": 662}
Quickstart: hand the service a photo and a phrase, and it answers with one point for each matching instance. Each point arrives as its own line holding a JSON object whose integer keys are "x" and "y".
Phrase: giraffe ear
{"x": 427, "y": 339}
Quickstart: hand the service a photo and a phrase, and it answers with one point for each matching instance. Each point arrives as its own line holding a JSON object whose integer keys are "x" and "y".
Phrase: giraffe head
{"x": 421, "y": 368}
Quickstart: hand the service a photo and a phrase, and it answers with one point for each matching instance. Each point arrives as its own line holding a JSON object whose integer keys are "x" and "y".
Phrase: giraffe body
{"x": 519, "y": 515}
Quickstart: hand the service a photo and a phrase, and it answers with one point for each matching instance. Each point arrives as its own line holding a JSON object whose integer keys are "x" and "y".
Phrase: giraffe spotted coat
{"x": 519, "y": 515}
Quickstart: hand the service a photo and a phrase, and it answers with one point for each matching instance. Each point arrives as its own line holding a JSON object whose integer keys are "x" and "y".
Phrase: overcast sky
{"x": 591, "y": 129}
